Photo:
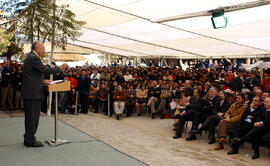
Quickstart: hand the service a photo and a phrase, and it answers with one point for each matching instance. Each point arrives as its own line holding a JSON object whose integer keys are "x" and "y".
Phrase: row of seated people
{"x": 247, "y": 119}
{"x": 127, "y": 98}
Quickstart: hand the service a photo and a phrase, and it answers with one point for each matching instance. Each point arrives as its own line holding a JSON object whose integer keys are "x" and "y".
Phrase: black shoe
{"x": 177, "y": 136}
{"x": 212, "y": 141}
{"x": 139, "y": 114}
{"x": 191, "y": 137}
{"x": 106, "y": 113}
{"x": 35, "y": 144}
{"x": 117, "y": 116}
{"x": 233, "y": 151}
{"x": 174, "y": 129}
{"x": 255, "y": 156}
{"x": 153, "y": 116}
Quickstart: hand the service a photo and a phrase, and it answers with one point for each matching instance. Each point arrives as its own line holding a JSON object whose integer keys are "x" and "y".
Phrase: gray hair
{"x": 213, "y": 89}
{"x": 35, "y": 45}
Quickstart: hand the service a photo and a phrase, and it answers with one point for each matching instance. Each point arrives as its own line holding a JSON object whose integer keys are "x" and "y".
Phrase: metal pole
{"x": 76, "y": 106}
{"x": 109, "y": 106}
{"x": 51, "y": 57}
{"x": 55, "y": 119}
{"x": 110, "y": 63}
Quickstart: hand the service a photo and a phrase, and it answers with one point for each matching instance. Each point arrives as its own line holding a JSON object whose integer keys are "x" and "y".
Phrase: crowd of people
{"x": 228, "y": 103}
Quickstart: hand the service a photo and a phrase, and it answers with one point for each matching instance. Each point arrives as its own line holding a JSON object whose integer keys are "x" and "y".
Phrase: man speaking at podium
{"x": 33, "y": 91}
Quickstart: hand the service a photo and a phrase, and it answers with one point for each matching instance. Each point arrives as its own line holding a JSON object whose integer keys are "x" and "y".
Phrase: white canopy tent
{"x": 127, "y": 28}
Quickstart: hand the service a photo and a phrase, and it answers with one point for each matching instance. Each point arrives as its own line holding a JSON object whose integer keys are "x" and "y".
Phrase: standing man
{"x": 7, "y": 86}
{"x": 33, "y": 91}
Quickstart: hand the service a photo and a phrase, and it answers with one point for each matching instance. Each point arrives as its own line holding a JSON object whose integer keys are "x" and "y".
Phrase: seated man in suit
{"x": 131, "y": 100}
{"x": 102, "y": 95}
{"x": 220, "y": 107}
{"x": 201, "y": 116}
{"x": 195, "y": 105}
{"x": 259, "y": 132}
{"x": 153, "y": 94}
{"x": 249, "y": 117}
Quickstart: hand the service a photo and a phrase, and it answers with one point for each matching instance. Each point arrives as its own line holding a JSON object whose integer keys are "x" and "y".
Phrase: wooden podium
{"x": 59, "y": 87}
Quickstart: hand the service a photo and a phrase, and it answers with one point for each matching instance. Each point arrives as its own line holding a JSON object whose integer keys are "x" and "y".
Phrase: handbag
{"x": 141, "y": 100}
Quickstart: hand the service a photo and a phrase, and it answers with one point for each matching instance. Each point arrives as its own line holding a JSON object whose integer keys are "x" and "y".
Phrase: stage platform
{"x": 83, "y": 150}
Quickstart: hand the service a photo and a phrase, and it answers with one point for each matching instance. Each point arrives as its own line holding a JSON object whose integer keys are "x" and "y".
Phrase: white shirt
{"x": 128, "y": 77}
{"x": 93, "y": 77}
{"x": 248, "y": 119}
{"x": 36, "y": 54}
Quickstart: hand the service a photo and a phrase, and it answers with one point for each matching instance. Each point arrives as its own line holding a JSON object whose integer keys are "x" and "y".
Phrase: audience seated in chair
{"x": 259, "y": 132}
{"x": 233, "y": 115}
{"x": 119, "y": 97}
{"x": 141, "y": 96}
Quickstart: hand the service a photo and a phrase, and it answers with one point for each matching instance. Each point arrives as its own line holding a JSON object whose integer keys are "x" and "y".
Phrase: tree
{"x": 4, "y": 42}
{"x": 34, "y": 21}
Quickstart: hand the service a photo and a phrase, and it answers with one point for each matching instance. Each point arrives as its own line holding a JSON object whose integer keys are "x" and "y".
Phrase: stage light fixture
{"x": 218, "y": 19}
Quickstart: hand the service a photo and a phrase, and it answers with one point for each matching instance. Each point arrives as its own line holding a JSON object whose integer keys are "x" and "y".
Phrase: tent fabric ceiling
{"x": 131, "y": 33}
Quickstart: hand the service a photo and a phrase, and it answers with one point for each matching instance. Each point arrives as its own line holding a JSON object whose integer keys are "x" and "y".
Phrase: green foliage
{"x": 12, "y": 50}
{"x": 4, "y": 42}
{"x": 34, "y": 21}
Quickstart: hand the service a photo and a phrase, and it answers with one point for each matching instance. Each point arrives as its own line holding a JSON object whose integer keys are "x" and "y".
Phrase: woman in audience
{"x": 141, "y": 96}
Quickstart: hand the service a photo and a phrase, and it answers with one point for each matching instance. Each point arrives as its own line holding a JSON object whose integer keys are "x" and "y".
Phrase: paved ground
{"x": 151, "y": 141}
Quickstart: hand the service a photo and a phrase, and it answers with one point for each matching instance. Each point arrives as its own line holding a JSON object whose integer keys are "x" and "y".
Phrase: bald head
{"x": 38, "y": 47}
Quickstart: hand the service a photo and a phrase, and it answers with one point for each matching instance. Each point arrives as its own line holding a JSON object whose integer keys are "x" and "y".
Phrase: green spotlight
{"x": 218, "y": 19}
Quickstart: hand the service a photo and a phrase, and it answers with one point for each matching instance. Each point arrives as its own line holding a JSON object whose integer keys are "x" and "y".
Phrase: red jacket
{"x": 73, "y": 82}
{"x": 265, "y": 84}
{"x": 228, "y": 80}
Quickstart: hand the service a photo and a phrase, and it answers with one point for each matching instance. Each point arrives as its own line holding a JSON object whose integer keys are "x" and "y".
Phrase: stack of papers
{"x": 56, "y": 82}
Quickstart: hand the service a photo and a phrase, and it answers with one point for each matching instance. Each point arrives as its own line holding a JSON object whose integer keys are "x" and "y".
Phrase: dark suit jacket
{"x": 33, "y": 70}
{"x": 264, "y": 116}
{"x": 253, "y": 113}
{"x": 221, "y": 108}
{"x": 209, "y": 104}
{"x": 195, "y": 104}
{"x": 7, "y": 76}
{"x": 18, "y": 78}
{"x": 84, "y": 85}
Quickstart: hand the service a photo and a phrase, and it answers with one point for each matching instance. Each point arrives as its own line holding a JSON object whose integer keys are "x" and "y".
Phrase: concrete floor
{"x": 151, "y": 141}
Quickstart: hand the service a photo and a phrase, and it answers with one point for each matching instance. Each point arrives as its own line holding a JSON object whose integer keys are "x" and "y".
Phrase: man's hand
{"x": 183, "y": 113}
{"x": 220, "y": 114}
{"x": 252, "y": 105}
{"x": 228, "y": 119}
{"x": 258, "y": 124}
{"x": 47, "y": 81}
